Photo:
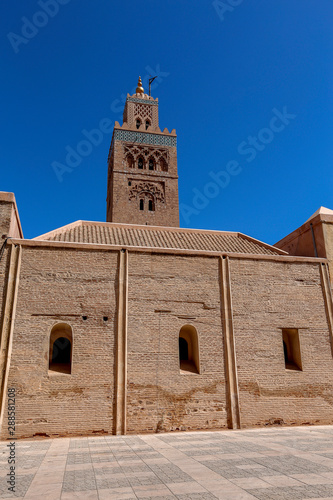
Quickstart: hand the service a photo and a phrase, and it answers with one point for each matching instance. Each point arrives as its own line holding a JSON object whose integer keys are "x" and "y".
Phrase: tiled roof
{"x": 158, "y": 237}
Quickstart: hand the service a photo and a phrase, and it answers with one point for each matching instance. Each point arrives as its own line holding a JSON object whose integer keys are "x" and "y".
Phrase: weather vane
{"x": 151, "y": 79}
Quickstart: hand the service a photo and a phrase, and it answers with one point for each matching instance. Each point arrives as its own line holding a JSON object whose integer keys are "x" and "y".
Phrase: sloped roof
{"x": 107, "y": 233}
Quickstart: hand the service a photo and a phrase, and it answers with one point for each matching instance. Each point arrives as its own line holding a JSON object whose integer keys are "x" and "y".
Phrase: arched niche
{"x": 60, "y": 348}
{"x": 189, "y": 360}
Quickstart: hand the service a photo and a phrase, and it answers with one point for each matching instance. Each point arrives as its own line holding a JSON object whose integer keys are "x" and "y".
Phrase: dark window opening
{"x": 61, "y": 352}
{"x": 140, "y": 163}
{"x": 189, "y": 350}
{"x": 138, "y": 123}
{"x": 60, "y": 349}
{"x": 183, "y": 349}
{"x": 147, "y": 124}
{"x": 142, "y": 205}
{"x": 84, "y": 318}
{"x": 105, "y": 318}
{"x": 151, "y": 164}
{"x": 291, "y": 349}
{"x": 151, "y": 207}
{"x": 129, "y": 183}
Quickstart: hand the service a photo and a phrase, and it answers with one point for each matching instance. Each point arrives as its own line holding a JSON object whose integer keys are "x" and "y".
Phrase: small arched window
{"x": 163, "y": 165}
{"x": 130, "y": 161}
{"x": 140, "y": 162}
{"x": 138, "y": 123}
{"x": 142, "y": 204}
{"x": 60, "y": 349}
{"x": 189, "y": 349}
{"x": 147, "y": 124}
{"x": 151, "y": 164}
{"x": 151, "y": 206}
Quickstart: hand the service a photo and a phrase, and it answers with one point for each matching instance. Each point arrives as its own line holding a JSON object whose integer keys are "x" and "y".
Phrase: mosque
{"x": 136, "y": 325}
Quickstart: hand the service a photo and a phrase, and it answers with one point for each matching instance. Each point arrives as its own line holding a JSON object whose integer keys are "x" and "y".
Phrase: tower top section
{"x": 142, "y": 177}
{"x": 141, "y": 110}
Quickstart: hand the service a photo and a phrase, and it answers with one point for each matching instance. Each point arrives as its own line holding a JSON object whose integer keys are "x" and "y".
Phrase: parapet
{"x": 10, "y": 225}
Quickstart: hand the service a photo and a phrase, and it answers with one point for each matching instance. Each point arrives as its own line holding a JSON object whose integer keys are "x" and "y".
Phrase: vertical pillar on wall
{"x": 229, "y": 347}
{"x": 327, "y": 292}
{"x": 121, "y": 346}
{"x": 7, "y": 325}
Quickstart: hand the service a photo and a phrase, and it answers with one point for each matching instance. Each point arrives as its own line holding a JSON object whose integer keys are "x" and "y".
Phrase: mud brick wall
{"x": 56, "y": 286}
{"x": 5, "y": 218}
{"x": 9, "y": 220}
{"x": 6, "y": 215}
{"x": 268, "y": 296}
{"x": 4, "y": 270}
{"x": 166, "y": 292}
{"x": 328, "y": 234}
{"x": 159, "y": 396}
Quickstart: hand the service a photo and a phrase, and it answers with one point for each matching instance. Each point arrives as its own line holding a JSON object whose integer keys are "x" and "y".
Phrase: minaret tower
{"x": 142, "y": 167}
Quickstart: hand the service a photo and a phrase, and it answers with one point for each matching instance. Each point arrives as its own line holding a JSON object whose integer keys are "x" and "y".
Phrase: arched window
{"x": 140, "y": 162}
{"x": 151, "y": 206}
{"x": 138, "y": 123}
{"x": 189, "y": 349}
{"x": 130, "y": 161}
{"x": 142, "y": 204}
{"x": 163, "y": 165}
{"x": 151, "y": 163}
{"x": 60, "y": 349}
{"x": 147, "y": 124}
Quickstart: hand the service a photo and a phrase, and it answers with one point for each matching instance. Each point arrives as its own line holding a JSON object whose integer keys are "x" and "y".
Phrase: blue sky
{"x": 225, "y": 71}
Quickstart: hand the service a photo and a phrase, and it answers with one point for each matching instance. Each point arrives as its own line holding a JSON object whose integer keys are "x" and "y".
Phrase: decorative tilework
{"x": 143, "y": 101}
{"x": 145, "y": 138}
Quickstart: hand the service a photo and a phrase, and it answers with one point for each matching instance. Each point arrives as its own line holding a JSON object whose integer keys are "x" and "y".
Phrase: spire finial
{"x": 140, "y": 89}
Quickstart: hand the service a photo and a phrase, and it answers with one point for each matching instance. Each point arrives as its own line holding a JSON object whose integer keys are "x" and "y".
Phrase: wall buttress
{"x": 327, "y": 292}
{"x": 7, "y": 326}
{"x": 229, "y": 347}
{"x": 121, "y": 345}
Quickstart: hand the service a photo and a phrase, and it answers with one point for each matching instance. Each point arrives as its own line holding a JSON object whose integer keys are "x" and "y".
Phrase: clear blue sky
{"x": 221, "y": 74}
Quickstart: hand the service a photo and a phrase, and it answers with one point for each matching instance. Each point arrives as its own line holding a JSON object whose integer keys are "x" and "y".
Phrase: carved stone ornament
{"x": 148, "y": 188}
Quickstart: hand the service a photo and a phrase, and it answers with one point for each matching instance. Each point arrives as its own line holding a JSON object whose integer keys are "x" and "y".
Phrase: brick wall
{"x": 4, "y": 269}
{"x": 9, "y": 219}
{"x": 328, "y": 234}
{"x": 7, "y": 215}
{"x": 159, "y": 396}
{"x": 5, "y": 218}
{"x": 62, "y": 286}
{"x": 166, "y": 292}
{"x": 268, "y": 296}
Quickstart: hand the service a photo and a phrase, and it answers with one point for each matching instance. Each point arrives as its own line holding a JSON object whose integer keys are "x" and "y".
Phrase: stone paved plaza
{"x": 265, "y": 464}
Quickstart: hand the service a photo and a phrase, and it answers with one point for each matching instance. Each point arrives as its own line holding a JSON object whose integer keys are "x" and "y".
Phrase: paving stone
{"x": 269, "y": 464}
{"x": 197, "y": 496}
{"x": 78, "y": 458}
{"x": 22, "y": 484}
{"x": 116, "y": 481}
{"x": 79, "y": 480}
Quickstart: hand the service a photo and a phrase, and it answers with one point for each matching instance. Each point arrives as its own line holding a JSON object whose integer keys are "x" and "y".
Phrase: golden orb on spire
{"x": 140, "y": 89}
